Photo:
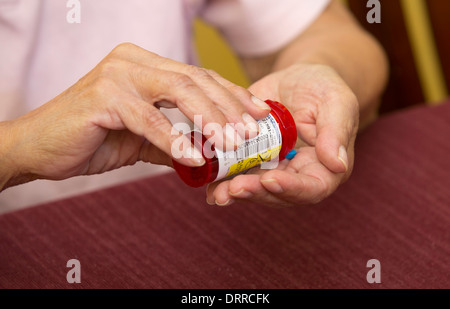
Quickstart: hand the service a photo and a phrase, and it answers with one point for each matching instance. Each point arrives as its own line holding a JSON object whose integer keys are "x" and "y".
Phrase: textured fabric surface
{"x": 158, "y": 233}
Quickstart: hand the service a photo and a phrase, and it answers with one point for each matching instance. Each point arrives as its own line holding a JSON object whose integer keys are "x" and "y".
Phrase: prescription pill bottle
{"x": 277, "y": 136}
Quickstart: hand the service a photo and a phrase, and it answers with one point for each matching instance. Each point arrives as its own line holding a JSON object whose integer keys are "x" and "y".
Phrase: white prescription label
{"x": 262, "y": 148}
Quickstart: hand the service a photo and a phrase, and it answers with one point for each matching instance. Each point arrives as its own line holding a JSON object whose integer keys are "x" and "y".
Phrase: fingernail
{"x": 242, "y": 194}
{"x": 232, "y": 138}
{"x": 210, "y": 203}
{"x": 260, "y": 103}
{"x": 198, "y": 159}
{"x": 250, "y": 124}
{"x": 228, "y": 202}
{"x": 342, "y": 156}
{"x": 192, "y": 153}
{"x": 272, "y": 185}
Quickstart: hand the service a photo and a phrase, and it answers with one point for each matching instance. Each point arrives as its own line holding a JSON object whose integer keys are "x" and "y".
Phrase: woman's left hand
{"x": 326, "y": 113}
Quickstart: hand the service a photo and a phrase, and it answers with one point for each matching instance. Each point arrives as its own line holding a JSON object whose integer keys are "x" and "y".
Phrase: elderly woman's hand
{"x": 326, "y": 113}
{"x": 111, "y": 118}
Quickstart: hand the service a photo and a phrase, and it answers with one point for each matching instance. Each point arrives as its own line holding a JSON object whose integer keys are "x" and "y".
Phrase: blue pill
{"x": 291, "y": 154}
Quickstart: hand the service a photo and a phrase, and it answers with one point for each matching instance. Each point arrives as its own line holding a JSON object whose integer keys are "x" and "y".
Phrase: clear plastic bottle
{"x": 277, "y": 137}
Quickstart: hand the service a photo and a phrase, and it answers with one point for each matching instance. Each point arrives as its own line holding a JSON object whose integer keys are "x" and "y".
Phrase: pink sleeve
{"x": 259, "y": 27}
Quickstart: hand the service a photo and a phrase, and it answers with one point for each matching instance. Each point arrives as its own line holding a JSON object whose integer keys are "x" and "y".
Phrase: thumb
{"x": 332, "y": 150}
{"x": 336, "y": 132}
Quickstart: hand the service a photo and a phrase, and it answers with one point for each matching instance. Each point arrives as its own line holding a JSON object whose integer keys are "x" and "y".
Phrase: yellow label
{"x": 254, "y": 161}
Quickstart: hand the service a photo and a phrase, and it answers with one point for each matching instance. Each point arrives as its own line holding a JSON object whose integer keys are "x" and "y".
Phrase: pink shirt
{"x": 41, "y": 55}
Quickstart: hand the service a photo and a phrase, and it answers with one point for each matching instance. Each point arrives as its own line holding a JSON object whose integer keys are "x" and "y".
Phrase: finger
{"x": 223, "y": 193}
{"x": 305, "y": 120}
{"x": 336, "y": 130}
{"x": 245, "y": 186}
{"x": 248, "y": 188}
{"x": 152, "y": 154}
{"x": 210, "y": 199}
{"x": 158, "y": 85}
{"x": 220, "y": 192}
{"x": 217, "y": 193}
{"x": 303, "y": 180}
{"x": 242, "y": 188}
{"x": 225, "y": 100}
{"x": 145, "y": 120}
{"x": 255, "y": 106}
{"x": 309, "y": 186}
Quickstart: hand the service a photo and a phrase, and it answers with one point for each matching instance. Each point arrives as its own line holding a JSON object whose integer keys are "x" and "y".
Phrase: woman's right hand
{"x": 111, "y": 118}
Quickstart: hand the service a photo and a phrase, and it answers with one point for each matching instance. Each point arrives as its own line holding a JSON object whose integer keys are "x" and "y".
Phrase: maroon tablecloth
{"x": 158, "y": 233}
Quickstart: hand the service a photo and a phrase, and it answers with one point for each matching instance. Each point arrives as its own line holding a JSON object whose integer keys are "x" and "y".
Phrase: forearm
{"x": 7, "y": 166}
{"x": 12, "y": 170}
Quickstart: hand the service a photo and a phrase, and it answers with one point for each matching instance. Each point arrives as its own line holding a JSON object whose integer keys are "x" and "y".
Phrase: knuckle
{"x": 182, "y": 81}
{"x": 111, "y": 65}
{"x": 123, "y": 48}
{"x": 216, "y": 116}
{"x": 198, "y": 73}
{"x": 238, "y": 90}
{"x": 102, "y": 85}
{"x": 211, "y": 72}
{"x": 158, "y": 123}
{"x": 155, "y": 119}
